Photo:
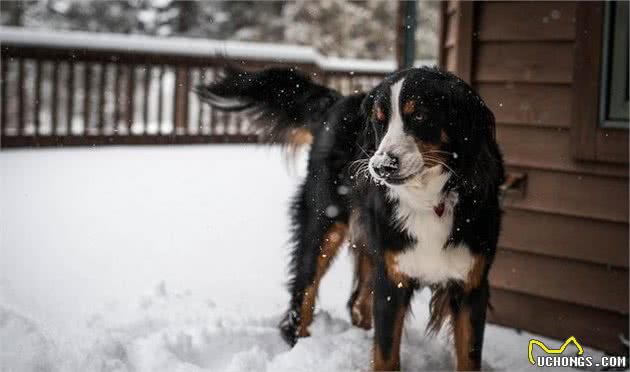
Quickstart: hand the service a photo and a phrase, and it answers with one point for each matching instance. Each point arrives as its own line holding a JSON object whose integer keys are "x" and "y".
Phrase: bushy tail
{"x": 284, "y": 105}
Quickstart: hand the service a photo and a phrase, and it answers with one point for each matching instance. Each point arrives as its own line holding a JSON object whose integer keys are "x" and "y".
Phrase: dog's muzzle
{"x": 386, "y": 167}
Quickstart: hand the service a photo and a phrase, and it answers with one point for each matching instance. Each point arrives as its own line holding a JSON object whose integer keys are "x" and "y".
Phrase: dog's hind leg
{"x": 317, "y": 239}
{"x": 360, "y": 304}
{"x": 469, "y": 320}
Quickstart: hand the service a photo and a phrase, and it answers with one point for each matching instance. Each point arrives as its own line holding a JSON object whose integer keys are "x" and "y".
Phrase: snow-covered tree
{"x": 344, "y": 28}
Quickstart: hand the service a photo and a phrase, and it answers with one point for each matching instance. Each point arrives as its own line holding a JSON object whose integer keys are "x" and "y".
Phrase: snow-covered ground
{"x": 173, "y": 259}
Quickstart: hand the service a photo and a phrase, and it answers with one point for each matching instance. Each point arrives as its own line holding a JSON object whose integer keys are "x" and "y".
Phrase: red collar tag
{"x": 439, "y": 209}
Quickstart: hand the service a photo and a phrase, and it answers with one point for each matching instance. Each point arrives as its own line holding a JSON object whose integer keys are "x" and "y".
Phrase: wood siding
{"x": 562, "y": 265}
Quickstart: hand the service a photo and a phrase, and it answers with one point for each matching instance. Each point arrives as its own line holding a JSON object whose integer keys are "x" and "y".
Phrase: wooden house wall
{"x": 562, "y": 266}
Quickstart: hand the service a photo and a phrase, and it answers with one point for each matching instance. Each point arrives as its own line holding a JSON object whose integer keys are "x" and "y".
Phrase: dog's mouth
{"x": 394, "y": 179}
{"x": 397, "y": 180}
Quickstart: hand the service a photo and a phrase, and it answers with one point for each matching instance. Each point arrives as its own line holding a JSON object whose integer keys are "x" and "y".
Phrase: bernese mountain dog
{"x": 408, "y": 173}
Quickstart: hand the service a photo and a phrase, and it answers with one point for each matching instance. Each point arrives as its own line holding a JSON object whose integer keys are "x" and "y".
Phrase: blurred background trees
{"x": 343, "y": 28}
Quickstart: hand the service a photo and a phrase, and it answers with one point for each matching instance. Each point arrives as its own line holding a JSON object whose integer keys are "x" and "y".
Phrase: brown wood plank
{"x": 37, "y": 100}
{"x": 524, "y": 62}
{"x": 566, "y": 280}
{"x": 160, "y": 107}
{"x": 54, "y": 100}
{"x": 4, "y": 77}
{"x": 213, "y": 113}
{"x": 586, "y": 89}
{"x": 596, "y": 197}
{"x": 87, "y": 96}
{"x": 102, "y": 88}
{"x": 450, "y": 59}
{"x": 452, "y": 6}
{"x": 21, "y": 97}
{"x": 131, "y": 89}
{"x": 535, "y": 104}
{"x": 182, "y": 77}
{"x": 145, "y": 102}
{"x": 612, "y": 145}
{"x": 547, "y": 148}
{"x": 587, "y": 240}
{"x": 117, "y": 97}
{"x": 202, "y": 80}
{"x": 450, "y": 31}
{"x": 528, "y": 20}
{"x": 592, "y": 327}
{"x": 442, "y": 25}
{"x": 70, "y": 97}
{"x": 465, "y": 28}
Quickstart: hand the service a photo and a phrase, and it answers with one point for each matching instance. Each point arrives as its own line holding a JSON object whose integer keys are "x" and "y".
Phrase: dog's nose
{"x": 388, "y": 165}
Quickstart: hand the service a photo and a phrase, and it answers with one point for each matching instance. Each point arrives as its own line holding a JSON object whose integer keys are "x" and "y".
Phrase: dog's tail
{"x": 284, "y": 106}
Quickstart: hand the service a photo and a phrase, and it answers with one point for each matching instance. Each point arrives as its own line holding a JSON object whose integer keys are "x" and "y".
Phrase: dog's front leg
{"x": 392, "y": 295}
{"x": 469, "y": 319}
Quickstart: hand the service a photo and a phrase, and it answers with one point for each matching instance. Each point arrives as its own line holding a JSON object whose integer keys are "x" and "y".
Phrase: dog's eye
{"x": 419, "y": 117}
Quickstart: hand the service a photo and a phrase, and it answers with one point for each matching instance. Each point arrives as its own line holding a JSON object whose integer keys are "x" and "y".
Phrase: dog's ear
{"x": 478, "y": 154}
{"x": 366, "y": 105}
{"x": 369, "y": 135}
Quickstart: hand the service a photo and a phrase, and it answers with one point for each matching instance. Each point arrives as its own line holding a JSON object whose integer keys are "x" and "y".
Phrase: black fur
{"x": 344, "y": 131}
{"x": 279, "y": 100}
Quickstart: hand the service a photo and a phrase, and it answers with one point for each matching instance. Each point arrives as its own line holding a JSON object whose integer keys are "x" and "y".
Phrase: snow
{"x": 174, "y": 259}
{"x": 191, "y": 47}
{"x": 149, "y": 44}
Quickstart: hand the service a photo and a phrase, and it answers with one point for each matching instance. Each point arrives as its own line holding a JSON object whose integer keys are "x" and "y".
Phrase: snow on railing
{"x": 194, "y": 47}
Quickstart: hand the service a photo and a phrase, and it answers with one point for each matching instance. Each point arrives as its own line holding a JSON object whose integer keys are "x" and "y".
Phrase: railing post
{"x": 70, "y": 96}
{"x": 131, "y": 89}
{"x": 102, "y": 82}
{"x": 54, "y": 109}
{"x": 3, "y": 96}
{"x": 21, "y": 98}
{"x": 145, "y": 102}
{"x": 87, "y": 85}
{"x": 182, "y": 77}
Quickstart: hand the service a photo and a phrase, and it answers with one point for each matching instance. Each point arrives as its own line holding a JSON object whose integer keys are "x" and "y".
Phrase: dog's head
{"x": 422, "y": 118}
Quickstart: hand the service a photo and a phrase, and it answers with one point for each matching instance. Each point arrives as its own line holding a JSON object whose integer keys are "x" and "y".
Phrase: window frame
{"x": 590, "y": 140}
{"x": 611, "y": 105}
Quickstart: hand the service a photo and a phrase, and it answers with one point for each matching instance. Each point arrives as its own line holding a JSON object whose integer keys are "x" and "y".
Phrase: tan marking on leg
{"x": 476, "y": 273}
{"x": 362, "y": 307}
{"x": 299, "y": 137}
{"x": 463, "y": 332}
{"x": 392, "y": 362}
{"x": 306, "y": 310}
{"x": 395, "y": 275}
{"x": 327, "y": 251}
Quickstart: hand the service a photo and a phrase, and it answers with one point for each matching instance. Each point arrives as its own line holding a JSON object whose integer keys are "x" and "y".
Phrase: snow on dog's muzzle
{"x": 386, "y": 167}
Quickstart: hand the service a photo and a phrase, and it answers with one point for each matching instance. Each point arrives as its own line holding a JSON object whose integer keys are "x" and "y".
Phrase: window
{"x": 614, "y": 93}
{"x": 599, "y": 124}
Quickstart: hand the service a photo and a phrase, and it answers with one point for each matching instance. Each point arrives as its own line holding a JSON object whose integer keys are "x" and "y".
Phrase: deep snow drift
{"x": 173, "y": 259}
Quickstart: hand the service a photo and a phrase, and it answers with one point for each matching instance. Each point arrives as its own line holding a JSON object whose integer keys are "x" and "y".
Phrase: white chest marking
{"x": 429, "y": 260}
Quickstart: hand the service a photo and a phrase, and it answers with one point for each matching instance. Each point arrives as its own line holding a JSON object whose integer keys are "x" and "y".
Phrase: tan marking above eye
{"x": 409, "y": 107}
{"x": 444, "y": 137}
{"x": 378, "y": 113}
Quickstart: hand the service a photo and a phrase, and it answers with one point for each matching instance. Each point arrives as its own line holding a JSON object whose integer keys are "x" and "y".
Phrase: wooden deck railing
{"x": 62, "y": 89}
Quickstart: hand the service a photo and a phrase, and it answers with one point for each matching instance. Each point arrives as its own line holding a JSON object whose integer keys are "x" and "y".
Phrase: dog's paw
{"x": 289, "y": 327}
